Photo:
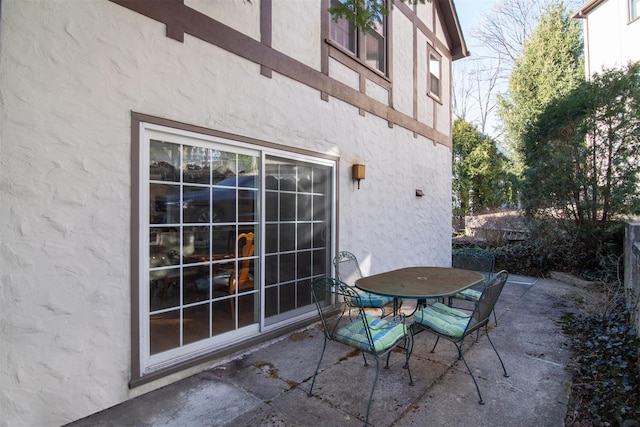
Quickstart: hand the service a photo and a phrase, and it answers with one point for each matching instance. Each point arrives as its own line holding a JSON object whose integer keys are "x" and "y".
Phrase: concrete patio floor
{"x": 269, "y": 386}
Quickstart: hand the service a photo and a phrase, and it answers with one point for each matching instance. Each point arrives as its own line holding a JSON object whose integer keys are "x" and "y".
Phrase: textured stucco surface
{"x": 243, "y": 16}
{"x": 71, "y": 72}
{"x": 403, "y": 76}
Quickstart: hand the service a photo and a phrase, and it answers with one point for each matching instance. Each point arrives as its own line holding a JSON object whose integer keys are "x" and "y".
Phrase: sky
{"x": 469, "y": 14}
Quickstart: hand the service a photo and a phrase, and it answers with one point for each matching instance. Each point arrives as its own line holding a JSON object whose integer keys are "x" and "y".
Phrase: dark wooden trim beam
{"x": 135, "y": 248}
{"x": 457, "y": 48}
{"x": 325, "y": 29}
{"x": 265, "y": 31}
{"x": 182, "y": 19}
{"x": 415, "y": 70}
{"x": 339, "y": 54}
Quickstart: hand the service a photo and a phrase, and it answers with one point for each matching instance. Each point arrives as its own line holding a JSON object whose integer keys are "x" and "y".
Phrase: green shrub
{"x": 590, "y": 253}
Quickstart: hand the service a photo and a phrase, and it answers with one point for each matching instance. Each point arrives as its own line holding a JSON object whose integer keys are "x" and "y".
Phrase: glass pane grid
{"x": 295, "y": 223}
{"x": 204, "y": 256}
{"x": 370, "y": 47}
{"x": 198, "y": 198}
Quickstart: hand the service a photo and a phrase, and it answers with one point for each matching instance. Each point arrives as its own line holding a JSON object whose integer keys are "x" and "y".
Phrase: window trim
{"x": 139, "y": 177}
{"x": 153, "y": 362}
{"x": 359, "y": 56}
{"x": 633, "y": 10}
{"x": 431, "y": 52}
{"x": 347, "y": 59}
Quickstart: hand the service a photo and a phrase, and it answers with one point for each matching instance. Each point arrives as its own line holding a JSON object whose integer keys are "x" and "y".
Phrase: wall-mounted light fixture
{"x": 357, "y": 173}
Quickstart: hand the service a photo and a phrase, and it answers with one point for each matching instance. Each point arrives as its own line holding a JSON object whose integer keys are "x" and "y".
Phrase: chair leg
{"x": 375, "y": 381}
{"x": 459, "y": 347}
{"x": 461, "y": 356}
{"x": 470, "y": 373}
{"x": 313, "y": 382}
{"x": 434, "y": 346}
{"x": 365, "y": 358}
{"x": 412, "y": 333}
{"x": 497, "y": 354}
{"x": 408, "y": 347}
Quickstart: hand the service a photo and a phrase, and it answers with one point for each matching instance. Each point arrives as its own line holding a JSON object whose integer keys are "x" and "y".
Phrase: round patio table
{"x": 419, "y": 283}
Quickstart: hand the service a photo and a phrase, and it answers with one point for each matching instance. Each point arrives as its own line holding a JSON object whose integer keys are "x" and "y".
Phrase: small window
{"x": 343, "y": 32}
{"x": 434, "y": 83}
{"x": 375, "y": 48}
{"x": 370, "y": 47}
{"x": 634, "y": 10}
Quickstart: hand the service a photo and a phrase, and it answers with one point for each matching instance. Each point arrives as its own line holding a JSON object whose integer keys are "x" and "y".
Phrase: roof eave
{"x": 586, "y": 8}
{"x": 458, "y": 46}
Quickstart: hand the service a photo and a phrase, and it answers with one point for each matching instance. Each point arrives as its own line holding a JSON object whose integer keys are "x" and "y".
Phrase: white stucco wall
{"x": 610, "y": 40}
{"x": 297, "y": 36}
{"x": 242, "y": 16}
{"x": 426, "y": 15}
{"x": 402, "y": 52}
{"x": 70, "y": 74}
{"x": 340, "y": 72}
{"x": 376, "y": 92}
{"x": 375, "y": 229}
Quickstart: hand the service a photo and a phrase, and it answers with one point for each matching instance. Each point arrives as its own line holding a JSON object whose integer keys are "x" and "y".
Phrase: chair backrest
{"x": 329, "y": 295}
{"x": 245, "y": 250}
{"x": 484, "y": 306}
{"x": 475, "y": 259}
{"x": 347, "y": 268}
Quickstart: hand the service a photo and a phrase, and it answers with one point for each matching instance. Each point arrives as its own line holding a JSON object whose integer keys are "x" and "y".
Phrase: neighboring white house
{"x": 611, "y": 33}
{"x": 612, "y": 40}
{"x": 174, "y": 173}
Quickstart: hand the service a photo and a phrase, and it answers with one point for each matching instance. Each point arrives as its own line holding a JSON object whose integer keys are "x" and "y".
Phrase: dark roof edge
{"x": 454, "y": 32}
{"x": 586, "y": 8}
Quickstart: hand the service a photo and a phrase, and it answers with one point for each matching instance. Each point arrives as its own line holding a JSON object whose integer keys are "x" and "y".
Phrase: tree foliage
{"x": 551, "y": 65}
{"x": 364, "y": 13}
{"x": 582, "y": 152}
{"x": 509, "y": 24}
{"x": 481, "y": 181}
{"x": 495, "y": 43}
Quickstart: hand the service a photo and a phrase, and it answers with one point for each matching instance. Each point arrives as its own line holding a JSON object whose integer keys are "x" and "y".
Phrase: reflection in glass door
{"x": 297, "y": 234}
{"x": 231, "y": 236}
{"x": 203, "y": 233}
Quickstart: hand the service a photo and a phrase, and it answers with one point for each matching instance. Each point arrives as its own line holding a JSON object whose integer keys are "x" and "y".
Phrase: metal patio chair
{"x": 475, "y": 259}
{"x": 455, "y": 325}
{"x": 370, "y": 334}
{"x": 348, "y": 271}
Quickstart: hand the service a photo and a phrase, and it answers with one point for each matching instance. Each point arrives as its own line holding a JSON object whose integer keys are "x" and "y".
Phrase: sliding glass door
{"x": 297, "y": 223}
{"x": 231, "y": 237}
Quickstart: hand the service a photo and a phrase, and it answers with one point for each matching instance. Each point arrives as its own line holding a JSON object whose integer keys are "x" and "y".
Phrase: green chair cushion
{"x": 443, "y": 319}
{"x": 384, "y": 333}
{"x": 370, "y": 300}
{"x": 469, "y": 295}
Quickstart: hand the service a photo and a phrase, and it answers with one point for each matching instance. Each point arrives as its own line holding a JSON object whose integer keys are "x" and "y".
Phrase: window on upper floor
{"x": 434, "y": 83}
{"x": 634, "y": 10}
{"x": 370, "y": 47}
